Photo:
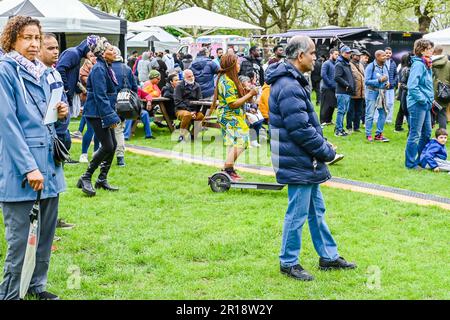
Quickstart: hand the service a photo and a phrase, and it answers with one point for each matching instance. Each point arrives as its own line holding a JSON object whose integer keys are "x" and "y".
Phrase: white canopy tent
{"x": 197, "y": 19}
{"x": 155, "y": 37}
{"x": 63, "y": 16}
{"x": 441, "y": 37}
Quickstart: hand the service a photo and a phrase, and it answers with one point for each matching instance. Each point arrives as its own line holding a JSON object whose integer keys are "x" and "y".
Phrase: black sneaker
{"x": 61, "y": 224}
{"x": 399, "y": 130}
{"x": 297, "y": 272}
{"x": 151, "y": 137}
{"x": 44, "y": 296}
{"x": 340, "y": 133}
{"x": 339, "y": 263}
{"x": 71, "y": 161}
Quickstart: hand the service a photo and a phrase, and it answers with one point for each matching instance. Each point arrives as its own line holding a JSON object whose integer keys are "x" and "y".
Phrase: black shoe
{"x": 151, "y": 137}
{"x": 121, "y": 161}
{"x": 297, "y": 272}
{"x": 61, "y": 224}
{"x": 160, "y": 124}
{"x": 44, "y": 296}
{"x": 85, "y": 185}
{"x": 340, "y": 133}
{"x": 103, "y": 184}
{"x": 399, "y": 130}
{"x": 71, "y": 161}
{"x": 339, "y": 263}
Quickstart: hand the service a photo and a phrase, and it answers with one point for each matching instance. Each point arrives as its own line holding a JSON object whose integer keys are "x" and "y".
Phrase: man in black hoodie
{"x": 252, "y": 63}
{"x": 345, "y": 87}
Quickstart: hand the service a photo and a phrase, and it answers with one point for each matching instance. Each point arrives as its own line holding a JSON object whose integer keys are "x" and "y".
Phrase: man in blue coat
{"x": 204, "y": 70}
{"x": 299, "y": 153}
{"x": 393, "y": 83}
{"x": 328, "y": 89}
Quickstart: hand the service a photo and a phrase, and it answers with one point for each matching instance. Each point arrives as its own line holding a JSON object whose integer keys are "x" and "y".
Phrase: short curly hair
{"x": 421, "y": 45}
{"x": 13, "y": 28}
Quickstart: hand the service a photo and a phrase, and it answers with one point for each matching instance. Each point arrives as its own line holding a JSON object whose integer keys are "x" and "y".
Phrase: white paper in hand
{"x": 52, "y": 112}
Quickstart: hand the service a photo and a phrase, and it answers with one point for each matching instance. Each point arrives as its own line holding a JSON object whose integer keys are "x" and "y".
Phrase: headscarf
{"x": 97, "y": 45}
{"x": 154, "y": 74}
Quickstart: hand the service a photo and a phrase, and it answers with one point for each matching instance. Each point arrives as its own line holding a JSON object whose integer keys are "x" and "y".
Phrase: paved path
{"x": 339, "y": 183}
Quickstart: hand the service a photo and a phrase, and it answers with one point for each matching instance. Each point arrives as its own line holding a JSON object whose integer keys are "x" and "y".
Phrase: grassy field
{"x": 380, "y": 163}
{"x": 165, "y": 235}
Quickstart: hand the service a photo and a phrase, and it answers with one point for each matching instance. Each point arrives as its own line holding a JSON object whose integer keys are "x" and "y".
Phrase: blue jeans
{"x": 370, "y": 114}
{"x": 306, "y": 201}
{"x": 419, "y": 133}
{"x": 82, "y": 124}
{"x": 145, "y": 118}
{"x": 87, "y": 138}
{"x": 343, "y": 103}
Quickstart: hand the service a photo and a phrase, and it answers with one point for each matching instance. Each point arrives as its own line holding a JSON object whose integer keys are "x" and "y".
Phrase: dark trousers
{"x": 17, "y": 224}
{"x": 105, "y": 154}
{"x": 316, "y": 88}
{"x": 440, "y": 116}
{"x": 328, "y": 103}
{"x": 354, "y": 114}
{"x": 402, "y": 111}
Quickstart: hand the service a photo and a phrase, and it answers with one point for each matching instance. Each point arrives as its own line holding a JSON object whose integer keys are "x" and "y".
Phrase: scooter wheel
{"x": 220, "y": 182}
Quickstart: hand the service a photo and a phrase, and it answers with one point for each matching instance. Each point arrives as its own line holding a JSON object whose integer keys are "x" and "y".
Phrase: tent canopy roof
{"x": 63, "y": 16}
{"x": 440, "y": 37}
{"x": 197, "y": 18}
{"x": 155, "y": 34}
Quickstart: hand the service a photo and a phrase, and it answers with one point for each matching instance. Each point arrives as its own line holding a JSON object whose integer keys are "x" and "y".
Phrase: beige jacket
{"x": 358, "y": 75}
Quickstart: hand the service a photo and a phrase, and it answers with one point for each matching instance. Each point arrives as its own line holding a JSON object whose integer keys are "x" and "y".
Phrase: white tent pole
{"x": 208, "y": 32}
{"x": 183, "y": 32}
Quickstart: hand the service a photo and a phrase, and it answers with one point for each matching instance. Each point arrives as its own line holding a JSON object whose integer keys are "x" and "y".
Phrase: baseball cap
{"x": 346, "y": 49}
{"x": 356, "y": 52}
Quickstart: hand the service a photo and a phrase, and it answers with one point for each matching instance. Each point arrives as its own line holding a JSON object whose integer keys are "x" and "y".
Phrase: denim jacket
{"x": 372, "y": 75}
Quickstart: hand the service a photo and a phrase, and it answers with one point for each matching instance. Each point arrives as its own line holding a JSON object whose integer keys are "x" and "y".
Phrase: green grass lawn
{"x": 165, "y": 235}
{"x": 380, "y": 163}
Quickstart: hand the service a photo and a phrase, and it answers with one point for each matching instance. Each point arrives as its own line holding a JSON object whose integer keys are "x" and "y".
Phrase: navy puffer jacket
{"x": 204, "y": 70}
{"x": 299, "y": 150}
{"x": 69, "y": 67}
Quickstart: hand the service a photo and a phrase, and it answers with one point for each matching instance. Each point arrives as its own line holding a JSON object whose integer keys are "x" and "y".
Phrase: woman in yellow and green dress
{"x": 232, "y": 96}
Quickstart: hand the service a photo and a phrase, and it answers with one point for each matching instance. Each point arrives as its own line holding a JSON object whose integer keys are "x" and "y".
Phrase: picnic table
{"x": 160, "y": 101}
{"x": 209, "y": 122}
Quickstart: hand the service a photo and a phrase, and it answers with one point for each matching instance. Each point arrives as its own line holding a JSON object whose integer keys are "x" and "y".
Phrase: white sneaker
{"x": 336, "y": 159}
{"x": 255, "y": 144}
{"x": 84, "y": 158}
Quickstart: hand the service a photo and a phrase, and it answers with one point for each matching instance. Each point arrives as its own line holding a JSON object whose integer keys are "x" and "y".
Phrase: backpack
{"x": 128, "y": 105}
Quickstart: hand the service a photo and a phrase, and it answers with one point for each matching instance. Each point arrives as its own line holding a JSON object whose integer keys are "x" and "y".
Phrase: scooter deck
{"x": 257, "y": 185}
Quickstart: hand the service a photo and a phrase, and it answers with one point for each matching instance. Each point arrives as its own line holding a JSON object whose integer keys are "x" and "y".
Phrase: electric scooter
{"x": 222, "y": 182}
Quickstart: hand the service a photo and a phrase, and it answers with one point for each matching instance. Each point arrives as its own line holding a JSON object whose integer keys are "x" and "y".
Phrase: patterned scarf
{"x": 36, "y": 68}
{"x": 427, "y": 61}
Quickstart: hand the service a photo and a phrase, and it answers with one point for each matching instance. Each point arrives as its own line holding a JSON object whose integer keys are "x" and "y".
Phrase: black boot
{"x": 85, "y": 184}
{"x": 102, "y": 181}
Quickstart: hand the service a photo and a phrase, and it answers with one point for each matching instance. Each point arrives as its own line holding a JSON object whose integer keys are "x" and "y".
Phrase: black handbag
{"x": 60, "y": 152}
{"x": 128, "y": 104}
{"x": 443, "y": 93}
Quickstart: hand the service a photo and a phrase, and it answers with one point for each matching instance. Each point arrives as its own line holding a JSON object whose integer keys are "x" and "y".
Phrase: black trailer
{"x": 360, "y": 38}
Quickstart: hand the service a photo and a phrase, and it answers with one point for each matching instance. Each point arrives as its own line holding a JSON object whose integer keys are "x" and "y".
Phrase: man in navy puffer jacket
{"x": 299, "y": 153}
{"x": 204, "y": 70}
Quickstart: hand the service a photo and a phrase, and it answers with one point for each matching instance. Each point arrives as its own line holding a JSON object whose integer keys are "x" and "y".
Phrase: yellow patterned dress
{"x": 235, "y": 130}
